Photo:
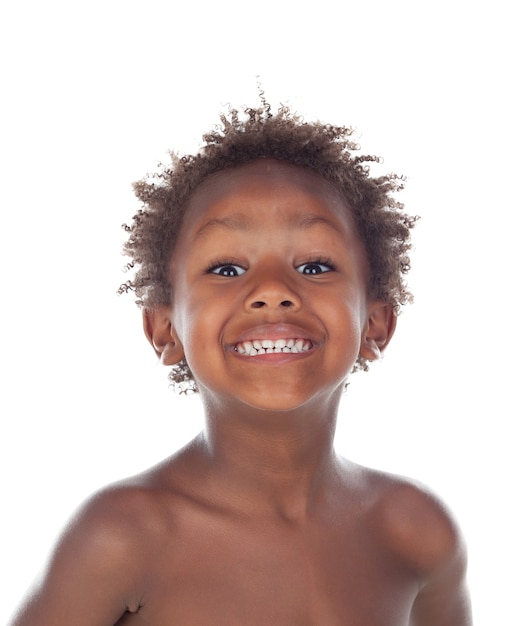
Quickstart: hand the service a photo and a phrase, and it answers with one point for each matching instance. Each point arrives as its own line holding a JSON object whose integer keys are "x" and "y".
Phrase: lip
{"x": 274, "y": 332}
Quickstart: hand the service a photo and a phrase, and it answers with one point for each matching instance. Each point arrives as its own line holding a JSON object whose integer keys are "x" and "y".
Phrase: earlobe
{"x": 162, "y": 336}
{"x": 378, "y": 331}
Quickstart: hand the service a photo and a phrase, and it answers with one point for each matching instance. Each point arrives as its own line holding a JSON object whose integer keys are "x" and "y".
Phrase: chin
{"x": 289, "y": 402}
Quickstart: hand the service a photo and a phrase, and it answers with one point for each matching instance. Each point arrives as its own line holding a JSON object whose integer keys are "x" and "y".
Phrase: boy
{"x": 268, "y": 267}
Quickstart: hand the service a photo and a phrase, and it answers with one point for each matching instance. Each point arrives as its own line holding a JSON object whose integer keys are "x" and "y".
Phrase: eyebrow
{"x": 309, "y": 220}
{"x": 235, "y": 221}
{"x": 239, "y": 221}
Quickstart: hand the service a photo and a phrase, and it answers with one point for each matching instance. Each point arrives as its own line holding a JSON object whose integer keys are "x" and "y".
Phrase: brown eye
{"x": 314, "y": 268}
{"x": 229, "y": 270}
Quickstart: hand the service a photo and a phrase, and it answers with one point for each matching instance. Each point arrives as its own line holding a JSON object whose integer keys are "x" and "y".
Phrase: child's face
{"x": 268, "y": 252}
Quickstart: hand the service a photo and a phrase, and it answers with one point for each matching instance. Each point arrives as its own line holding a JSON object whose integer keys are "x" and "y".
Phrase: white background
{"x": 94, "y": 94}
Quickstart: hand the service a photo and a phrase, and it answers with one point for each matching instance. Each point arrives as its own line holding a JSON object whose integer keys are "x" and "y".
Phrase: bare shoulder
{"x": 123, "y": 521}
{"x": 97, "y": 569}
{"x": 414, "y": 522}
{"x": 419, "y": 531}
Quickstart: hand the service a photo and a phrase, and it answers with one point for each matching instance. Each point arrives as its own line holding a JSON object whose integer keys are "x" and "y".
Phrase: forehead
{"x": 285, "y": 192}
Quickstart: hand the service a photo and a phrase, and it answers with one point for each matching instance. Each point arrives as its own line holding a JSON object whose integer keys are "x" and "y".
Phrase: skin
{"x": 258, "y": 521}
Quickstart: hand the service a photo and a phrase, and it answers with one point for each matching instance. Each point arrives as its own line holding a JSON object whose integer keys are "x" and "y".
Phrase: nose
{"x": 272, "y": 291}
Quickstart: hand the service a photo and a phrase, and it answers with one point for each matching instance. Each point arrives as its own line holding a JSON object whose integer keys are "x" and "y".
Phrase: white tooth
{"x": 267, "y": 346}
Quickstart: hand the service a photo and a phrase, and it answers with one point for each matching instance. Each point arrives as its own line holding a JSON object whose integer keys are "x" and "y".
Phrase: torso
{"x": 209, "y": 566}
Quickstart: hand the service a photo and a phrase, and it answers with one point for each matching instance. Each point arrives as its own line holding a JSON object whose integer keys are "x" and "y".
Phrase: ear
{"x": 378, "y": 330}
{"x": 162, "y": 336}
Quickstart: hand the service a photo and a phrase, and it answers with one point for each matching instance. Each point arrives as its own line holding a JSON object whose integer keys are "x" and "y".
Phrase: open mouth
{"x": 269, "y": 346}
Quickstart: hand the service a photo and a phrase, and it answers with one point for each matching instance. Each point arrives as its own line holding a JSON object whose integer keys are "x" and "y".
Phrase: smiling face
{"x": 269, "y": 283}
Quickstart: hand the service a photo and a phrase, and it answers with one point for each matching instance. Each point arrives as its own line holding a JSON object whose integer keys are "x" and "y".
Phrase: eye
{"x": 226, "y": 269}
{"x": 315, "y": 267}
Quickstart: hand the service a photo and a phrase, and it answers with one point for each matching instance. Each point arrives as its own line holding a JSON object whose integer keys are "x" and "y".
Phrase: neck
{"x": 272, "y": 461}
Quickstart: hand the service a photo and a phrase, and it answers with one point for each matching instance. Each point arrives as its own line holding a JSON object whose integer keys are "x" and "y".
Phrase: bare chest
{"x": 262, "y": 574}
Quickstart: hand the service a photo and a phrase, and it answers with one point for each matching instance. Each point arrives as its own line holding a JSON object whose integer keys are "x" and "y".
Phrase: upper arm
{"x": 443, "y": 599}
{"x": 426, "y": 537}
{"x": 92, "y": 577}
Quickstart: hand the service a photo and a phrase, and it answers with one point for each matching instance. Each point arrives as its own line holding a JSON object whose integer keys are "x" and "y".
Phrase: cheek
{"x": 200, "y": 325}
{"x": 347, "y": 313}
{"x": 347, "y": 321}
{"x": 187, "y": 304}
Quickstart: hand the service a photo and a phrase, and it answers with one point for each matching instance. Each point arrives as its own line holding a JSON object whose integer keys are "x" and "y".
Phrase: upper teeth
{"x": 265, "y": 346}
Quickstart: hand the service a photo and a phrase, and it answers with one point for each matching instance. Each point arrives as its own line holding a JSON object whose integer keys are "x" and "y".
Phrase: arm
{"x": 421, "y": 531}
{"x": 444, "y": 600}
{"x": 93, "y": 574}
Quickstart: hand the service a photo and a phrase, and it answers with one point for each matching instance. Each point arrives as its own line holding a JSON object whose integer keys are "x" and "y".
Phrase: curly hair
{"x": 247, "y": 134}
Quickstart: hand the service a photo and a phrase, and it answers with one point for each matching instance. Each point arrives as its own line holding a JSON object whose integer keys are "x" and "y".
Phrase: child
{"x": 268, "y": 267}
